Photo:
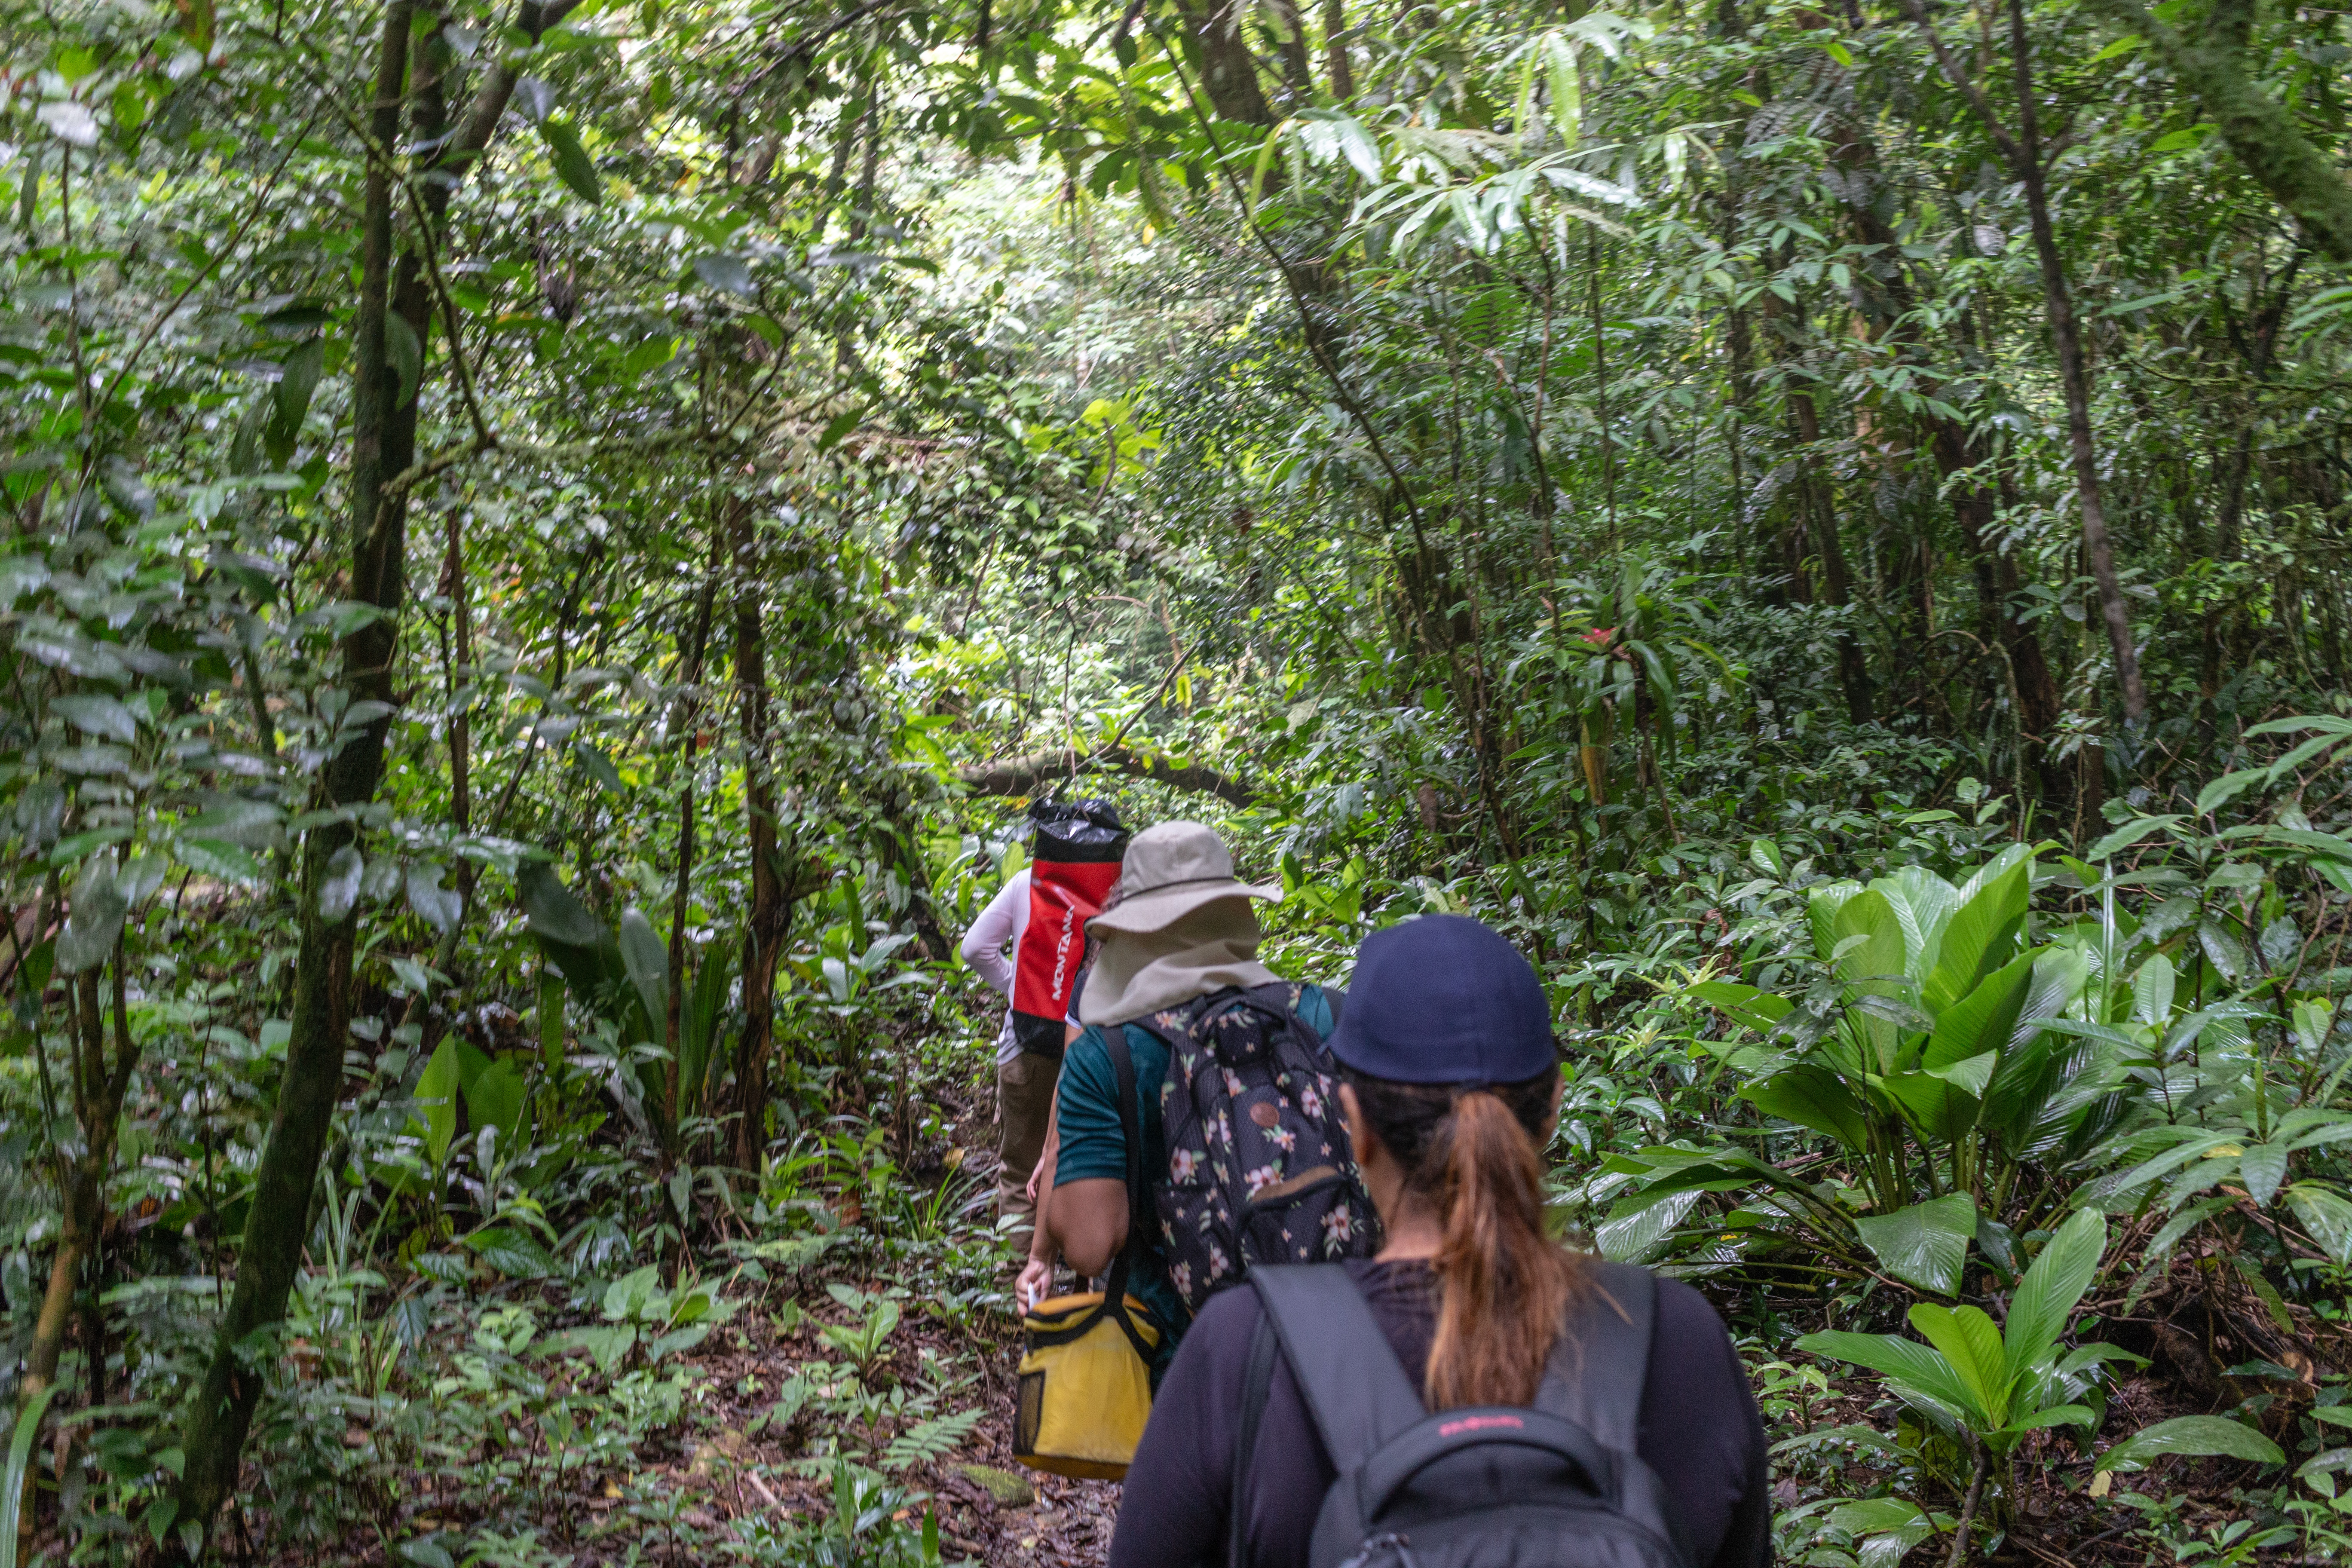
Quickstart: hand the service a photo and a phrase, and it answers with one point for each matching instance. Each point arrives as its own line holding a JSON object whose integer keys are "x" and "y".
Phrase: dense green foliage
{"x": 546, "y": 546}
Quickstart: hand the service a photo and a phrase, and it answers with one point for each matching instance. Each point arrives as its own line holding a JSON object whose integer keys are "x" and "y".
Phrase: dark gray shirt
{"x": 1700, "y": 1432}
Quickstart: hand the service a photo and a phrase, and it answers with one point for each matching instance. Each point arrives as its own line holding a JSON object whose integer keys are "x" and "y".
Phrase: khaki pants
{"x": 1024, "y": 1103}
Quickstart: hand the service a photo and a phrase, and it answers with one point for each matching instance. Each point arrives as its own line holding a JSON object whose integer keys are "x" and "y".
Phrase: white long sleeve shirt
{"x": 990, "y": 946}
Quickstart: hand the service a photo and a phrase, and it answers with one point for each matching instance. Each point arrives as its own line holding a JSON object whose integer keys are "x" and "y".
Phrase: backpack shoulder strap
{"x": 1595, "y": 1379}
{"x": 1354, "y": 1386}
{"x": 1138, "y": 1209}
{"x": 1602, "y": 1358}
{"x": 1277, "y": 997}
{"x": 1256, "y": 1385}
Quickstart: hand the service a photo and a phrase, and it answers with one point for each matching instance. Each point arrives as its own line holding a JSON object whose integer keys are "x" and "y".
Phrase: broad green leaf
{"x": 1868, "y": 954}
{"x": 2200, "y": 1434}
{"x": 513, "y": 1253}
{"x": 339, "y": 884}
{"x": 1914, "y": 1367}
{"x": 2152, "y": 990}
{"x": 1812, "y": 1096}
{"x": 1758, "y": 1009}
{"x": 98, "y": 715}
{"x": 404, "y": 354}
{"x": 2312, "y": 1017}
{"x": 1970, "y": 1343}
{"x": 223, "y": 862}
{"x": 290, "y": 399}
{"x": 437, "y": 906}
{"x": 647, "y": 961}
{"x": 2046, "y": 1297}
{"x": 550, "y": 1021}
{"x": 99, "y": 910}
{"x": 1942, "y": 1110}
{"x": 553, "y": 911}
{"x": 2326, "y": 1214}
{"x": 1970, "y": 1075}
{"x": 573, "y": 165}
{"x": 1923, "y": 1244}
{"x": 598, "y": 766}
{"x": 1981, "y": 1021}
{"x": 2261, "y": 1167}
{"x": 1641, "y": 1234}
{"x": 1924, "y": 904}
{"x": 14, "y": 1475}
{"x": 1875, "y": 1515}
{"x": 636, "y": 1294}
{"x": 1977, "y": 939}
{"x": 726, "y": 273}
{"x": 495, "y": 1098}
{"x": 436, "y": 1098}
{"x": 647, "y": 356}
{"x": 2228, "y": 787}
{"x": 1566, "y": 95}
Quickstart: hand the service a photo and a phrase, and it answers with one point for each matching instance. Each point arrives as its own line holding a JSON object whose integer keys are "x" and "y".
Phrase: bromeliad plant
{"x": 1986, "y": 1385}
{"x": 1925, "y": 1053}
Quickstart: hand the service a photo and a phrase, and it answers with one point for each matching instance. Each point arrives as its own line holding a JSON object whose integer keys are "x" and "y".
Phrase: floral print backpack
{"x": 1259, "y": 1169}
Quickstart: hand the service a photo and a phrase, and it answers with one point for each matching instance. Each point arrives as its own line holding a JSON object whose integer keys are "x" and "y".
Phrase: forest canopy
{"x": 549, "y": 548}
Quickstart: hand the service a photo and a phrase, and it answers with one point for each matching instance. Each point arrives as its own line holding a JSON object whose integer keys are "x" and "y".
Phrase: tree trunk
{"x": 1228, "y": 69}
{"x": 2269, "y": 146}
{"x": 2074, "y": 375}
{"x": 770, "y": 911}
{"x": 2023, "y": 154}
{"x": 1820, "y": 510}
{"x": 687, "y": 713}
{"x": 384, "y": 430}
{"x": 1996, "y": 575}
{"x": 1341, "y": 74}
{"x": 97, "y": 1090}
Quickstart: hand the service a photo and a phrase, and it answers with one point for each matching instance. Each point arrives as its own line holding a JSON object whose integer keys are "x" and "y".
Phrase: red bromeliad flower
{"x": 1598, "y": 636}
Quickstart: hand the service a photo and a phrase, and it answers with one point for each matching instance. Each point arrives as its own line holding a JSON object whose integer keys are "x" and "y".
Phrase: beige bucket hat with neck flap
{"x": 1170, "y": 870}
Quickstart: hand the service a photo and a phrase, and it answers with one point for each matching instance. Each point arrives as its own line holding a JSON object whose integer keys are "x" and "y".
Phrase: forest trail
{"x": 550, "y": 550}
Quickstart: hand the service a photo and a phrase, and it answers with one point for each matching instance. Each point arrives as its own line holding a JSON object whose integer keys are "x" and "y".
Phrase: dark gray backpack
{"x": 1557, "y": 1486}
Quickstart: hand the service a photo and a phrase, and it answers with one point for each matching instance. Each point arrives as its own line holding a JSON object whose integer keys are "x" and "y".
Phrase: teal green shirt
{"x": 1094, "y": 1145}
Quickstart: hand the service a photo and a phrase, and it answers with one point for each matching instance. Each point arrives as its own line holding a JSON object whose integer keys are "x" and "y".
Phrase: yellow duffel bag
{"x": 1086, "y": 1385}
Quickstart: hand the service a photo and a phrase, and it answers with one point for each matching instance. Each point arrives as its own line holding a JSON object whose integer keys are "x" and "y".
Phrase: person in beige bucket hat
{"x": 1180, "y": 926}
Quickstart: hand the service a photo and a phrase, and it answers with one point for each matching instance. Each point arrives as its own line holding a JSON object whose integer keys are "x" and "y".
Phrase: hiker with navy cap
{"x": 1474, "y": 1394}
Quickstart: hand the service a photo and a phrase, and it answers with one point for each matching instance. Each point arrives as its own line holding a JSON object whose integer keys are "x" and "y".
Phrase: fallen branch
{"x": 1030, "y": 775}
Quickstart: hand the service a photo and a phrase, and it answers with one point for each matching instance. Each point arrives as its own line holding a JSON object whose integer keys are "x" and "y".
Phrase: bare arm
{"x": 1037, "y": 1275}
{"x": 1089, "y": 1224}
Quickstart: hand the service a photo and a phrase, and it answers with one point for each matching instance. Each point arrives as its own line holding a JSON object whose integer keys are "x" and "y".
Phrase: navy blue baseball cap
{"x": 1445, "y": 999}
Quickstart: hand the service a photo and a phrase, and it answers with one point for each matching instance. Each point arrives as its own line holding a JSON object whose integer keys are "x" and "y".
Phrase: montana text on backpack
{"x": 1074, "y": 866}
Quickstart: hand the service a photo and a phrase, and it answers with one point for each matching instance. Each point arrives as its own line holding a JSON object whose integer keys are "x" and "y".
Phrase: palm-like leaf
{"x": 2046, "y": 1296}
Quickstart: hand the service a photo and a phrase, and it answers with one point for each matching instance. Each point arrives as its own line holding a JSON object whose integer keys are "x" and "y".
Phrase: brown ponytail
{"x": 1502, "y": 1283}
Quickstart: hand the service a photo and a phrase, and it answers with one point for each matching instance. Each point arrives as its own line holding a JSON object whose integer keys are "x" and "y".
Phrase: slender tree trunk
{"x": 1228, "y": 69}
{"x": 97, "y": 1088}
{"x": 1996, "y": 576}
{"x": 1341, "y": 74}
{"x": 1601, "y": 386}
{"x": 2023, "y": 153}
{"x": 220, "y": 1409}
{"x": 771, "y": 913}
{"x": 688, "y": 716}
{"x": 1853, "y": 670}
{"x": 1290, "y": 48}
